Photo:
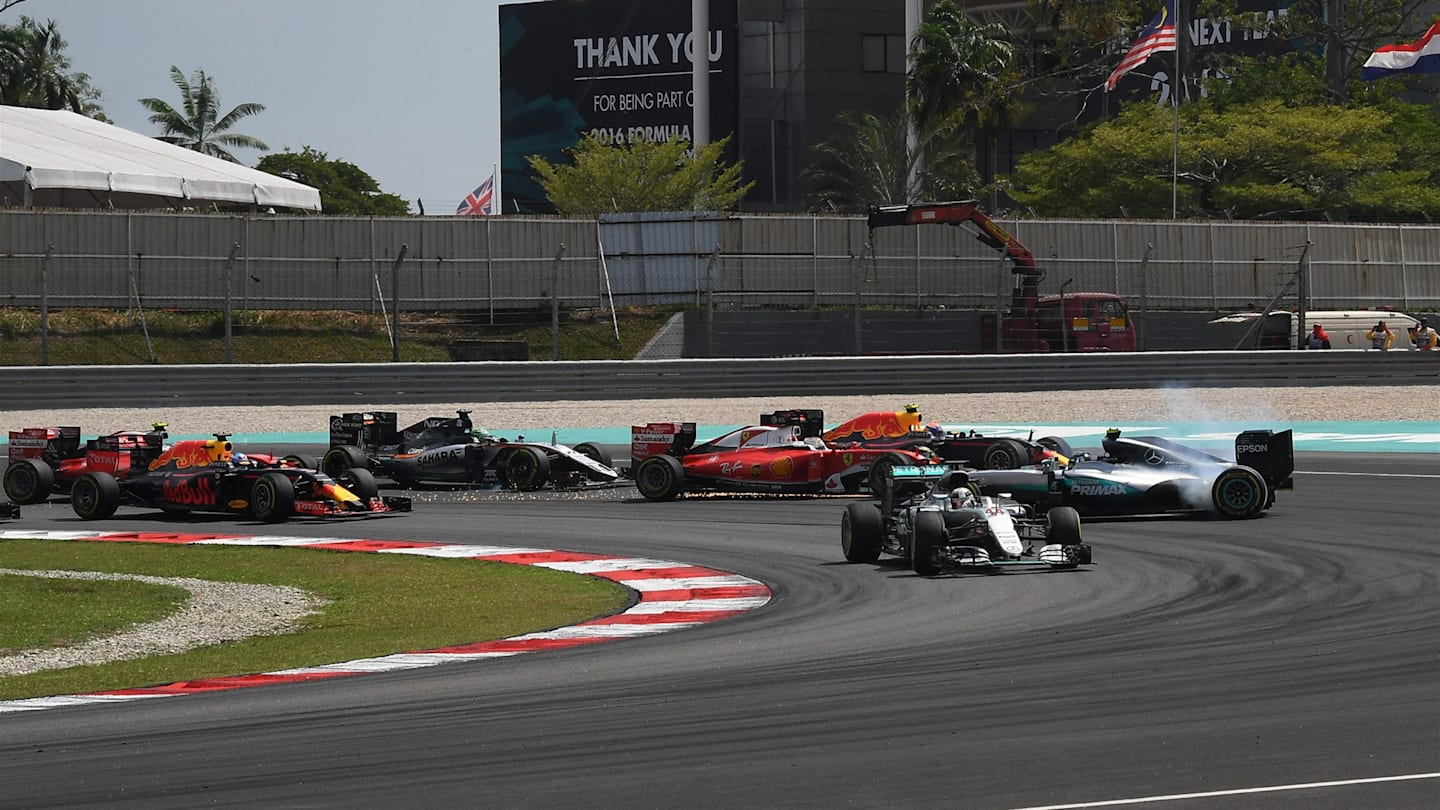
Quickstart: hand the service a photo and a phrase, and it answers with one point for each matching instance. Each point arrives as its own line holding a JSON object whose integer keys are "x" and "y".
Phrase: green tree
{"x": 641, "y": 176}
{"x": 869, "y": 162}
{"x": 35, "y": 70}
{"x": 1259, "y": 159}
{"x": 345, "y": 189}
{"x": 198, "y": 125}
{"x": 965, "y": 73}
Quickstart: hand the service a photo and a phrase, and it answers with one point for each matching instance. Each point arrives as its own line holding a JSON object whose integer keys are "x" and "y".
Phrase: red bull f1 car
{"x": 1140, "y": 475}
{"x": 453, "y": 450}
{"x": 905, "y": 430}
{"x": 932, "y": 516}
{"x": 783, "y": 454}
{"x": 207, "y": 475}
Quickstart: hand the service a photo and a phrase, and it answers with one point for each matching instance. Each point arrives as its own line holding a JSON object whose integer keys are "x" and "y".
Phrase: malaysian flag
{"x": 1159, "y": 35}
{"x": 480, "y": 201}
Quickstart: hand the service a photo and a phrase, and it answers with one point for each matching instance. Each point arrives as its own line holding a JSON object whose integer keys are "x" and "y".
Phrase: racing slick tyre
{"x": 595, "y": 453}
{"x": 878, "y": 476}
{"x": 28, "y": 481}
{"x": 341, "y": 458}
{"x": 1063, "y": 526}
{"x": 360, "y": 483}
{"x": 862, "y": 530}
{"x": 1056, "y": 444}
{"x": 1239, "y": 493}
{"x": 95, "y": 496}
{"x": 660, "y": 478}
{"x": 527, "y": 469}
{"x": 1004, "y": 454}
{"x": 925, "y": 543}
{"x": 272, "y": 498}
{"x": 300, "y": 460}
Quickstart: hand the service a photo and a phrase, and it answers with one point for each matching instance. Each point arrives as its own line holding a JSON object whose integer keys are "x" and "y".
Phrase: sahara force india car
{"x": 452, "y": 450}
{"x": 1139, "y": 475}
{"x": 206, "y": 475}
{"x": 781, "y": 455}
{"x": 931, "y": 515}
{"x": 903, "y": 430}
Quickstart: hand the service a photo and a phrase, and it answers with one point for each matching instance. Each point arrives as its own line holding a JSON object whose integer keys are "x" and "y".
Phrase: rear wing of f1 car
{"x": 364, "y": 430}
{"x": 1270, "y": 454}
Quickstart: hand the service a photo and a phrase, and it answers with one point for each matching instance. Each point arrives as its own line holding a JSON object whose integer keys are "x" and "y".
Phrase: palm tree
{"x": 35, "y": 72}
{"x": 200, "y": 126}
{"x": 869, "y": 163}
{"x": 964, "y": 73}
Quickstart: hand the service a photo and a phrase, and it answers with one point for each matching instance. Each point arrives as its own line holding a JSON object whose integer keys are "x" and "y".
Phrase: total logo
{"x": 1096, "y": 488}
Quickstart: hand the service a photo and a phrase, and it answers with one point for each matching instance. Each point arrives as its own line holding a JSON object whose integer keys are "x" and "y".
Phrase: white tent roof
{"x": 56, "y": 158}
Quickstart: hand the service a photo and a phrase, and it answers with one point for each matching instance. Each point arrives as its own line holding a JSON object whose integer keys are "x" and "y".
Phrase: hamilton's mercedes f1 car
{"x": 453, "y": 450}
{"x": 207, "y": 475}
{"x": 1138, "y": 475}
{"x": 903, "y": 430}
{"x": 932, "y": 516}
{"x": 783, "y": 454}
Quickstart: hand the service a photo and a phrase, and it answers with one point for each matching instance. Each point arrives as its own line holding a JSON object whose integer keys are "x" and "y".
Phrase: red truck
{"x": 1069, "y": 322}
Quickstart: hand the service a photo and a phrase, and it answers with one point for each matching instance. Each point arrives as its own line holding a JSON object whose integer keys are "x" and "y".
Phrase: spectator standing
{"x": 1318, "y": 338}
{"x": 1426, "y": 339}
{"x": 1380, "y": 337}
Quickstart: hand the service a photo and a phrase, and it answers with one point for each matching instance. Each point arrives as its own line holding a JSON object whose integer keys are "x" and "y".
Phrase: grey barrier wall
{"x": 421, "y": 383}
{"x": 499, "y": 264}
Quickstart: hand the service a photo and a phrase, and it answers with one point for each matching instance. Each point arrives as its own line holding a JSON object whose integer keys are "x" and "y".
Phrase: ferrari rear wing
{"x": 1270, "y": 454}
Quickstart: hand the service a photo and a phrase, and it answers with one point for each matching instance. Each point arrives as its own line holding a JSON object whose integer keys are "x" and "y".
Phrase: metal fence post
{"x": 45, "y": 305}
{"x": 229, "y": 317}
{"x": 1144, "y": 296}
{"x": 395, "y": 302}
{"x": 555, "y": 304}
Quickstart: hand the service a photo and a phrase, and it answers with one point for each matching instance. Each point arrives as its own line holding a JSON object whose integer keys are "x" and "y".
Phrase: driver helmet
{"x": 482, "y": 434}
{"x": 935, "y": 430}
{"x": 239, "y": 458}
{"x": 961, "y": 497}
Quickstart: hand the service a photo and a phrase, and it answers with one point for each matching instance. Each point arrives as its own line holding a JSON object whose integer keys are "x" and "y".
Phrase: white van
{"x": 1346, "y": 327}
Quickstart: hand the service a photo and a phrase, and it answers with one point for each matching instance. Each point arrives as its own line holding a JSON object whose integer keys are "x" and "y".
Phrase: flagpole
{"x": 1175, "y": 151}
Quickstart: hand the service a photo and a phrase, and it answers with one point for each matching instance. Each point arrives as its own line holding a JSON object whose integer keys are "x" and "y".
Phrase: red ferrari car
{"x": 784, "y": 454}
{"x": 45, "y": 461}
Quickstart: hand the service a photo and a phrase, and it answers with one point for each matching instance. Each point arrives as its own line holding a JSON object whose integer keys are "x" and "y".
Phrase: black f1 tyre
{"x": 527, "y": 469}
{"x": 927, "y": 539}
{"x": 1004, "y": 454}
{"x": 360, "y": 483}
{"x": 878, "y": 476}
{"x": 595, "y": 453}
{"x": 272, "y": 498}
{"x": 1056, "y": 444}
{"x": 95, "y": 496}
{"x": 28, "y": 481}
{"x": 300, "y": 460}
{"x": 862, "y": 530}
{"x": 1063, "y": 524}
{"x": 660, "y": 478}
{"x": 1239, "y": 493}
{"x": 341, "y": 458}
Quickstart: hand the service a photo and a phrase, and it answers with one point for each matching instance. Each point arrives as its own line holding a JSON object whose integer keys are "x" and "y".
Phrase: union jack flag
{"x": 1159, "y": 35}
{"x": 480, "y": 201}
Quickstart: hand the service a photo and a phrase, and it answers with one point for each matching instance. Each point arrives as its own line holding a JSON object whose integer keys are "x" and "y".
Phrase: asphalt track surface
{"x": 1289, "y": 661}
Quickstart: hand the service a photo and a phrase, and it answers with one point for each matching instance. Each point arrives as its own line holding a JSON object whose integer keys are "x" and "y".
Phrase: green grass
{"x": 110, "y": 337}
{"x": 377, "y": 604}
{"x": 45, "y": 612}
